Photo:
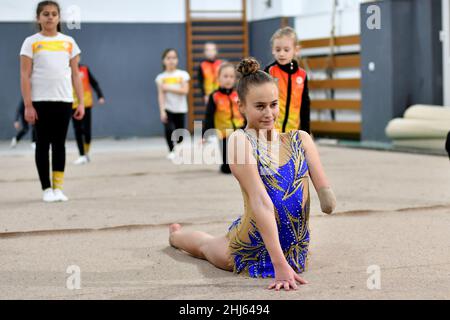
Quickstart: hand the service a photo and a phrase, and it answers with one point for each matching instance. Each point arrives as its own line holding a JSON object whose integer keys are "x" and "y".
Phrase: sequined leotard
{"x": 288, "y": 186}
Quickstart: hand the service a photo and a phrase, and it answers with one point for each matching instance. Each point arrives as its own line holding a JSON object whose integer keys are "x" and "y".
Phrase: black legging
{"x": 82, "y": 130}
{"x": 174, "y": 121}
{"x": 51, "y": 129}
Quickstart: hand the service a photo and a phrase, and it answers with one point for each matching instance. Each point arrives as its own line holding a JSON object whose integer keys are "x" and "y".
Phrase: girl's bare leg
{"x": 201, "y": 245}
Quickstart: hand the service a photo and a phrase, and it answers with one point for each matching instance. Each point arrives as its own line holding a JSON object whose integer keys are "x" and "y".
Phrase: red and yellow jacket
{"x": 208, "y": 75}
{"x": 223, "y": 112}
{"x": 294, "y": 99}
{"x": 88, "y": 80}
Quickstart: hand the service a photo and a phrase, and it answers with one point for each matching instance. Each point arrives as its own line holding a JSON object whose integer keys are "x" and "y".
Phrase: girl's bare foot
{"x": 173, "y": 228}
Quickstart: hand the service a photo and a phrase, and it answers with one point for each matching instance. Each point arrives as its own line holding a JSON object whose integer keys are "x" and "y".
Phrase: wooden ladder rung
{"x": 220, "y": 46}
{"x": 350, "y": 83}
{"x": 325, "y": 42}
{"x": 216, "y": 11}
{"x": 217, "y": 29}
{"x": 214, "y": 20}
{"x": 344, "y": 61}
{"x": 336, "y": 127}
{"x": 336, "y": 104}
{"x": 217, "y": 38}
{"x": 221, "y": 55}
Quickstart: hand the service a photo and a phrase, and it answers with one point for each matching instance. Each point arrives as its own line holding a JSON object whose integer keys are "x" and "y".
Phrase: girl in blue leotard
{"x": 273, "y": 169}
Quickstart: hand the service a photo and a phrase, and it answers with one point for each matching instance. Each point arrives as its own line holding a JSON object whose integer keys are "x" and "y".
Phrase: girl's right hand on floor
{"x": 31, "y": 115}
{"x": 164, "y": 117}
{"x": 287, "y": 278}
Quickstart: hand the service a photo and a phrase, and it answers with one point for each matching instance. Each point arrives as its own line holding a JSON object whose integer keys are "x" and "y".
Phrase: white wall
{"x": 314, "y": 21}
{"x": 198, "y": 6}
{"x": 258, "y": 9}
{"x": 130, "y": 11}
{"x": 165, "y": 11}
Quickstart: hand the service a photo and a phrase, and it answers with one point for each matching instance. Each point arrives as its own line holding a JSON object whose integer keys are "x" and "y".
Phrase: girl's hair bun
{"x": 248, "y": 66}
{"x": 250, "y": 76}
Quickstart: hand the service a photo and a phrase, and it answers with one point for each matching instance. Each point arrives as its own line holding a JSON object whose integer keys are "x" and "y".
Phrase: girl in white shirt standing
{"x": 48, "y": 68}
{"x": 173, "y": 87}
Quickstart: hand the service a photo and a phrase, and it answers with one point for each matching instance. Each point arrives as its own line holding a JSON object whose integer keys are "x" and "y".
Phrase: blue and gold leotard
{"x": 287, "y": 183}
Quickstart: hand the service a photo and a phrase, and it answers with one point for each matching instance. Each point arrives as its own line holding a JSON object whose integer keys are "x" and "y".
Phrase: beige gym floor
{"x": 393, "y": 212}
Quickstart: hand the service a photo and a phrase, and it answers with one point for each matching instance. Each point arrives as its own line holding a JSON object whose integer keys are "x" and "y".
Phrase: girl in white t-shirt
{"x": 48, "y": 68}
{"x": 173, "y": 87}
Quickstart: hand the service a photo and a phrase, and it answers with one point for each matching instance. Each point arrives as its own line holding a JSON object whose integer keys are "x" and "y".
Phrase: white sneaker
{"x": 59, "y": 195}
{"x": 33, "y": 145}
{"x": 13, "y": 142}
{"x": 49, "y": 196}
{"x": 171, "y": 155}
{"x": 81, "y": 160}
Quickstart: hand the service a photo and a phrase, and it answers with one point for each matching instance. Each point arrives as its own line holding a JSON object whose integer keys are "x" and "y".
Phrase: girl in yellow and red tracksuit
{"x": 222, "y": 111}
{"x": 294, "y": 102}
{"x": 208, "y": 73}
{"x": 82, "y": 127}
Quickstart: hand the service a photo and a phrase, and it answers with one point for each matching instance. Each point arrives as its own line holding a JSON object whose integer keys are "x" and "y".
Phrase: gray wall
{"x": 260, "y": 33}
{"x": 408, "y": 58}
{"x": 125, "y": 59}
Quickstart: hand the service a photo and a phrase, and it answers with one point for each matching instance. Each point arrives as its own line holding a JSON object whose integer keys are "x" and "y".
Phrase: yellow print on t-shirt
{"x": 54, "y": 46}
{"x": 173, "y": 80}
